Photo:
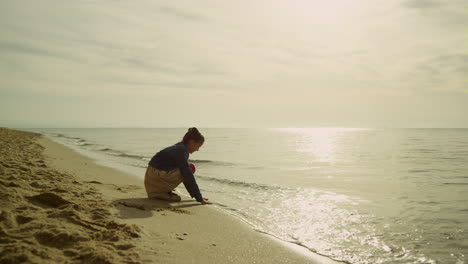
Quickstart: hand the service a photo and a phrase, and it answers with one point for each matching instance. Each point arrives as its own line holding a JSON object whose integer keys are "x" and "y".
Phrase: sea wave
{"x": 213, "y": 162}
{"x": 78, "y": 141}
{"x": 83, "y": 144}
{"x": 105, "y": 149}
{"x": 201, "y": 161}
{"x": 119, "y": 153}
{"x": 242, "y": 184}
{"x": 64, "y": 136}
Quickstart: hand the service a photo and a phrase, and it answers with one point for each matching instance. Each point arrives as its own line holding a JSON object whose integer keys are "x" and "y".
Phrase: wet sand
{"x": 58, "y": 206}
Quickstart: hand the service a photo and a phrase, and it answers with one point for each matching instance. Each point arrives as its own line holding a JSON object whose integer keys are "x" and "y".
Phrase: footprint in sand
{"x": 148, "y": 205}
{"x": 127, "y": 188}
{"x": 49, "y": 199}
{"x": 95, "y": 182}
{"x": 122, "y": 188}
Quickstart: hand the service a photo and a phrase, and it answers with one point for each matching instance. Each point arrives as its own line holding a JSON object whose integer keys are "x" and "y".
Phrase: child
{"x": 169, "y": 167}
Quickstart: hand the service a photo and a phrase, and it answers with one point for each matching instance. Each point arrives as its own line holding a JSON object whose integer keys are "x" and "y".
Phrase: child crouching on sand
{"x": 169, "y": 167}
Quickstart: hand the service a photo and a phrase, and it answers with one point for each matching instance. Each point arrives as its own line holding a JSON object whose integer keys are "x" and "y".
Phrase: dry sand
{"x": 58, "y": 206}
{"x": 48, "y": 216}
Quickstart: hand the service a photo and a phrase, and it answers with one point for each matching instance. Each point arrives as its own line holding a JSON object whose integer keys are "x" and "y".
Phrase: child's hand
{"x": 205, "y": 201}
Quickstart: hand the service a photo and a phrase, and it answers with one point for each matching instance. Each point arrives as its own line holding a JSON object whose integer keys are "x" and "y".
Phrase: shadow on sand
{"x": 144, "y": 207}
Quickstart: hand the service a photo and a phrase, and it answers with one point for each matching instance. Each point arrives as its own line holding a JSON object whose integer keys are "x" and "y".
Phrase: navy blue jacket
{"x": 176, "y": 156}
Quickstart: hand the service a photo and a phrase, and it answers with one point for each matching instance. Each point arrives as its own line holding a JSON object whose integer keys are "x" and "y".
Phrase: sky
{"x": 275, "y": 63}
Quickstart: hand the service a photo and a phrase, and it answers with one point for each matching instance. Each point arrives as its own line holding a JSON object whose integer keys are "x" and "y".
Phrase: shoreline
{"x": 183, "y": 232}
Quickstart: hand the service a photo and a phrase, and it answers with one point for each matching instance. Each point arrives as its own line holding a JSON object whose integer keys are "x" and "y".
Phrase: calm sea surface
{"x": 358, "y": 195}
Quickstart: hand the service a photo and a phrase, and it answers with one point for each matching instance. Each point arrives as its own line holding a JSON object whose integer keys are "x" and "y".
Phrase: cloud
{"x": 441, "y": 73}
{"x": 422, "y": 4}
{"x": 34, "y": 50}
{"x": 183, "y": 14}
{"x": 444, "y": 12}
{"x": 457, "y": 63}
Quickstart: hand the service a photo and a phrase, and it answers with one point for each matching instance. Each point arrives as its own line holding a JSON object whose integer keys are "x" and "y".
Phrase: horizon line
{"x": 226, "y": 127}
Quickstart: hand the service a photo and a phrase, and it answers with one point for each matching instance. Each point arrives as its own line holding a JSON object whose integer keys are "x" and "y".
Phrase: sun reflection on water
{"x": 323, "y": 144}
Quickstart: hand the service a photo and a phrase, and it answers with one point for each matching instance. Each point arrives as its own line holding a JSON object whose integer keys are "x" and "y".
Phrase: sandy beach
{"x": 58, "y": 206}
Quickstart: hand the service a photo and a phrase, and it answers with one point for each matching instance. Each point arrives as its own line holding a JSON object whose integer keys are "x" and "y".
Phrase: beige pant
{"x": 159, "y": 183}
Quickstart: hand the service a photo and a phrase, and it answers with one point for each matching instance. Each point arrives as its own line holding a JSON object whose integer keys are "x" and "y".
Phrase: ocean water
{"x": 353, "y": 194}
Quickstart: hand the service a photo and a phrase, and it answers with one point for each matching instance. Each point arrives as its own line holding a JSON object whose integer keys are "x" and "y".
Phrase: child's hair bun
{"x": 194, "y": 134}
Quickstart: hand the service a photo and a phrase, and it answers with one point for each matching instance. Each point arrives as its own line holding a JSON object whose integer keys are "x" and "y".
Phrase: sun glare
{"x": 321, "y": 143}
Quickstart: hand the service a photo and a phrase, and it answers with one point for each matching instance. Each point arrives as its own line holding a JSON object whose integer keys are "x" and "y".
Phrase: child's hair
{"x": 194, "y": 134}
